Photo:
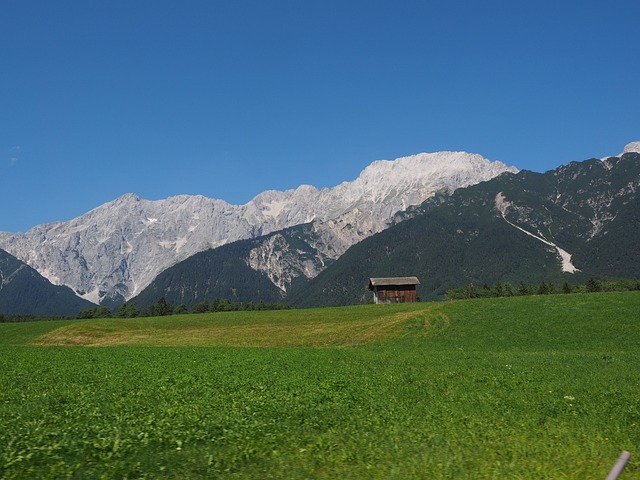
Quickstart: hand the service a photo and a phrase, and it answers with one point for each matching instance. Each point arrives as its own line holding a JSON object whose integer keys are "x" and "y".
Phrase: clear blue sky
{"x": 230, "y": 98}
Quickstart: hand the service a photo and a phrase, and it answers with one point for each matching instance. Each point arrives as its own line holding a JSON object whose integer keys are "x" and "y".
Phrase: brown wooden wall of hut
{"x": 396, "y": 294}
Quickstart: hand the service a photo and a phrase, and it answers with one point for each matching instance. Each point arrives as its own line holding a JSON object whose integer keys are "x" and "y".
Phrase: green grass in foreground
{"x": 528, "y": 387}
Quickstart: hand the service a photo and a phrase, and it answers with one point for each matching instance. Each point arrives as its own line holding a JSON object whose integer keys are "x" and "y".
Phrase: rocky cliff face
{"x": 116, "y": 250}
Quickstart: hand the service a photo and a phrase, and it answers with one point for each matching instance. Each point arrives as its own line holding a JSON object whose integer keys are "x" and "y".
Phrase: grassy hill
{"x": 331, "y": 327}
{"x": 521, "y": 387}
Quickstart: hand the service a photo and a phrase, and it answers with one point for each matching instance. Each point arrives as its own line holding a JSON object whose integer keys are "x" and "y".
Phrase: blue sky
{"x": 230, "y": 98}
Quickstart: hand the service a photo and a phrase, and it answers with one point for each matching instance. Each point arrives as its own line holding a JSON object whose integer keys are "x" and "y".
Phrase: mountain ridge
{"x": 115, "y": 250}
{"x": 578, "y": 221}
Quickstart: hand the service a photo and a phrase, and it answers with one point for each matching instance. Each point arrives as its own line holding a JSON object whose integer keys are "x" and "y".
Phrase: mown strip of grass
{"x": 537, "y": 387}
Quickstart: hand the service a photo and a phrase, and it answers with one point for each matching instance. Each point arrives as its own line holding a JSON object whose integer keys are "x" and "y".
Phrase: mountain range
{"x": 566, "y": 225}
{"x": 578, "y": 221}
{"x": 113, "y": 252}
{"x": 451, "y": 218}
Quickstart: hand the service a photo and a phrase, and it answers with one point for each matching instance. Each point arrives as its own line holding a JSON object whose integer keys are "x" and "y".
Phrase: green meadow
{"x": 541, "y": 387}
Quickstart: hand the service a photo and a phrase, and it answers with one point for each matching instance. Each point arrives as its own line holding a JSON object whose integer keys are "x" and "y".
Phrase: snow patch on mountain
{"x": 633, "y": 147}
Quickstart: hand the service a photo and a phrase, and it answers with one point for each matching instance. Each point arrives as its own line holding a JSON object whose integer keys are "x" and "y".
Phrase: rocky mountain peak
{"x": 633, "y": 147}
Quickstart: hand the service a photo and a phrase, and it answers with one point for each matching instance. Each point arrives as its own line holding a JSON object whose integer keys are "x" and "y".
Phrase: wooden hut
{"x": 394, "y": 289}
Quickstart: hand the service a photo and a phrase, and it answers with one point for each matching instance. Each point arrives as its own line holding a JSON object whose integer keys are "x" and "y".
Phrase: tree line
{"x": 500, "y": 289}
{"x": 163, "y": 308}
{"x": 20, "y": 317}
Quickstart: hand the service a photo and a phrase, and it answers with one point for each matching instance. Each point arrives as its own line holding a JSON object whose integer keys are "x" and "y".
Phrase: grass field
{"x": 541, "y": 387}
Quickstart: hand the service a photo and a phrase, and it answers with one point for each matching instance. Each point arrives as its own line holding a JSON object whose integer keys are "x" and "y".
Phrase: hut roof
{"x": 390, "y": 281}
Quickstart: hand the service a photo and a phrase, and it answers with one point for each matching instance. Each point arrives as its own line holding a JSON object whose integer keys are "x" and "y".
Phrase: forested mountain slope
{"x": 25, "y": 291}
{"x": 568, "y": 224}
